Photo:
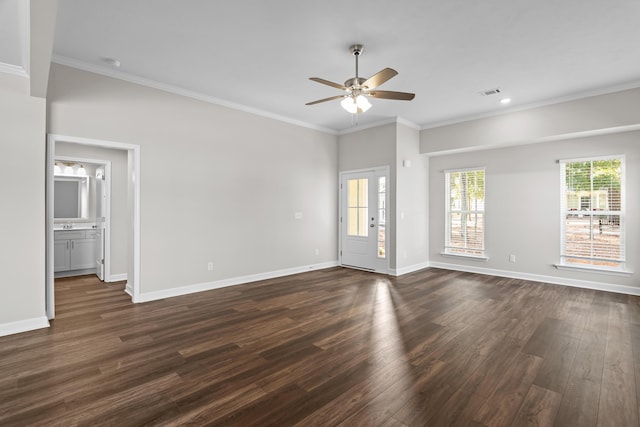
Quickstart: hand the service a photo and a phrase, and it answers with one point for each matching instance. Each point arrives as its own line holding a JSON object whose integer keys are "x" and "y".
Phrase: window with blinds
{"x": 592, "y": 209}
{"x": 464, "y": 233}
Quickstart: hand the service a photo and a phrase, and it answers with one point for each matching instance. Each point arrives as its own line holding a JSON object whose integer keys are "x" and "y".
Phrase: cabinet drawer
{"x": 69, "y": 234}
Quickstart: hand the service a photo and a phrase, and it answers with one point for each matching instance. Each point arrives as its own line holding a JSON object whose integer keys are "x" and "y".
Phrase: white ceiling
{"x": 260, "y": 54}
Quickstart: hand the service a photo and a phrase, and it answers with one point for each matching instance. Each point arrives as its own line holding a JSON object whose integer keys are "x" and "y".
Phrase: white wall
{"x": 119, "y": 211}
{"x": 412, "y": 193}
{"x": 216, "y": 184}
{"x": 523, "y": 204}
{"x": 22, "y": 216}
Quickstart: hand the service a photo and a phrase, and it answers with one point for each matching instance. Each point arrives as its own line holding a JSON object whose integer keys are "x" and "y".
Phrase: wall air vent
{"x": 491, "y": 91}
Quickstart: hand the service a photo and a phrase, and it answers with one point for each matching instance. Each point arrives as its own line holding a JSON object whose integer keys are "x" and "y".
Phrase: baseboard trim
{"x": 408, "y": 269}
{"x": 11, "y": 328}
{"x": 563, "y": 281}
{"x": 74, "y": 273}
{"x": 129, "y": 289}
{"x": 207, "y": 286}
{"x": 118, "y": 277}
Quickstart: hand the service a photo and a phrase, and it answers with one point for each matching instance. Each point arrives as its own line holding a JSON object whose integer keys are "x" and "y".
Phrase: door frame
{"x": 378, "y": 171}
{"x": 107, "y": 216}
{"x": 133, "y": 183}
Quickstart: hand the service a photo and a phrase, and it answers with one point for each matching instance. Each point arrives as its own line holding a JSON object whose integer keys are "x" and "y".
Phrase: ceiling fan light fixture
{"x": 356, "y": 104}
{"x": 363, "y": 103}
{"x": 350, "y": 105}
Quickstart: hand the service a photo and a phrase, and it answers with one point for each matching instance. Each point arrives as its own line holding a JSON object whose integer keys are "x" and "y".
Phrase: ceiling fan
{"x": 358, "y": 88}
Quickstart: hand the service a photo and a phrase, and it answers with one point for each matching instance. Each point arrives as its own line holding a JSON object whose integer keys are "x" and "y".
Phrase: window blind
{"x": 465, "y": 191}
{"x": 592, "y": 212}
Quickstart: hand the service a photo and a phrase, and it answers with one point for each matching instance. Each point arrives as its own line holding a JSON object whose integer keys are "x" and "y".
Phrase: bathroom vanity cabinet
{"x": 74, "y": 250}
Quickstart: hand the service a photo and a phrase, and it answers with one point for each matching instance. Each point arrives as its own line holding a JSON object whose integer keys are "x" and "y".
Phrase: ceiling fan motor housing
{"x": 355, "y": 82}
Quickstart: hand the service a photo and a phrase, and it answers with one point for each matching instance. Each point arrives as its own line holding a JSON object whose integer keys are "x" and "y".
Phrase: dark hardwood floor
{"x": 327, "y": 348}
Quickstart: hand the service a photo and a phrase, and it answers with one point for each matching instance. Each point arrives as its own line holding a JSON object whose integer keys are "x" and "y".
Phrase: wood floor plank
{"x": 538, "y": 409}
{"x": 399, "y": 401}
{"x": 385, "y": 384}
{"x": 479, "y": 387}
{"x": 635, "y": 340}
{"x": 559, "y": 358}
{"x": 618, "y": 399}
{"x": 501, "y": 408}
{"x": 330, "y": 347}
{"x": 582, "y": 395}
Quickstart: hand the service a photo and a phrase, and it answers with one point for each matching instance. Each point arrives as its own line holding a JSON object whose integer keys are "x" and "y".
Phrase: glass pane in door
{"x": 382, "y": 214}
{"x": 357, "y": 207}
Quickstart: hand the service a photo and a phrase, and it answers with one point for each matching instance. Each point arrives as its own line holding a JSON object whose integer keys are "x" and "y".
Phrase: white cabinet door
{"x": 98, "y": 251}
{"x": 61, "y": 255}
{"x": 82, "y": 254}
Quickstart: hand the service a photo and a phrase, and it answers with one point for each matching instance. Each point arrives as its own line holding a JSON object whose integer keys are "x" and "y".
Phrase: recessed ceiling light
{"x": 505, "y": 100}
{"x": 111, "y": 61}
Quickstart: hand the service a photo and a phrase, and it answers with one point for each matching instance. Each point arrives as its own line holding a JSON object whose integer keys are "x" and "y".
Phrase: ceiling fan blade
{"x": 379, "y": 78}
{"x": 326, "y": 99}
{"x": 387, "y": 94}
{"x": 328, "y": 83}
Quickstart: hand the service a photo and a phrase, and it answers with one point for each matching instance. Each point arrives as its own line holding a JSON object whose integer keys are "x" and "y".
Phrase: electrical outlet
{"x": 317, "y": 251}
{"x": 210, "y": 266}
{"x": 512, "y": 258}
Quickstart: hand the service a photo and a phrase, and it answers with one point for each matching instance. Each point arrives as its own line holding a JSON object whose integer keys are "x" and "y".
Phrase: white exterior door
{"x": 363, "y": 228}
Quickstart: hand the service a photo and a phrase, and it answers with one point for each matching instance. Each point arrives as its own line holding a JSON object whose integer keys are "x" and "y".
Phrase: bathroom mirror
{"x": 70, "y": 197}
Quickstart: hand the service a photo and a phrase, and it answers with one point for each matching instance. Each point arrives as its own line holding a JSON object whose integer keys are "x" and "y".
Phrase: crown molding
{"x": 176, "y": 90}
{"x": 15, "y": 70}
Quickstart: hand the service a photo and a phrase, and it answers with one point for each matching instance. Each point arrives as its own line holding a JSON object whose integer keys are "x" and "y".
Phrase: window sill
{"x": 466, "y": 256}
{"x": 624, "y": 273}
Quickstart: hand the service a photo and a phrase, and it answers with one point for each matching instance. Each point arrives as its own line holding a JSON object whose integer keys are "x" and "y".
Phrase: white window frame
{"x": 448, "y": 249}
{"x": 563, "y": 264}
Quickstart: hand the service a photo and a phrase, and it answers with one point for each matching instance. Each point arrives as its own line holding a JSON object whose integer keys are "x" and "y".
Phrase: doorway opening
{"x": 91, "y": 220}
{"x": 82, "y": 217}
